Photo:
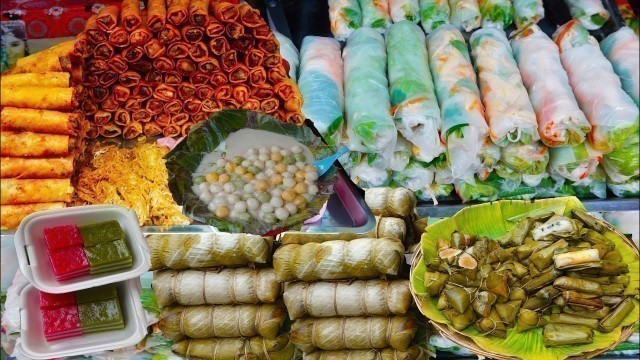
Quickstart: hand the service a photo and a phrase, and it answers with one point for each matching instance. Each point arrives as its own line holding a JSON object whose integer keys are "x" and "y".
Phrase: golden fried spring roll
{"x": 41, "y": 121}
{"x": 12, "y": 215}
{"x": 47, "y": 60}
{"x": 30, "y": 144}
{"x": 45, "y": 79}
{"x": 33, "y": 97}
{"x": 36, "y": 168}
{"x": 28, "y": 191}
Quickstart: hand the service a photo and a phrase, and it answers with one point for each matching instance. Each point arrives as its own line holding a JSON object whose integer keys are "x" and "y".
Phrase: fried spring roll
{"x": 224, "y": 11}
{"x": 156, "y": 15}
{"x": 28, "y": 191}
{"x": 199, "y": 12}
{"x": 35, "y": 97}
{"x": 12, "y": 215}
{"x": 45, "y": 79}
{"x": 177, "y": 11}
{"x": 28, "y": 144}
{"x": 250, "y": 17}
{"x": 152, "y": 129}
{"x": 132, "y": 130}
{"x": 41, "y": 121}
{"x": 47, "y": 60}
{"x": 36, "y": 168}
{"x": 130, "y": 12}
{"x": 108, "y": 18}
{"x": 140, "y": 36}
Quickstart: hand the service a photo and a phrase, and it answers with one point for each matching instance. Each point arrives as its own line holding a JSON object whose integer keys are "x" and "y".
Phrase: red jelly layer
{"x": 69, "y": 261}
{"x": 53, "y": 301}
{"x": 60, "y": 237}
{"x": 60, "y": 320}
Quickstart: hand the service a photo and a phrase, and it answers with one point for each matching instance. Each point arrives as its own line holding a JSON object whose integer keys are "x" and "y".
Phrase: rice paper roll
{"x": 413, "y": 353}
{"x": 345, "y": 17}
{"x": 353, "y": 333}
{"x": 290, "y": 53}
{"x": 236, "y": 348}
{"x": 224, "y": 287}
{"x": 527, "y": 12}
{"x": 629, "y": 188}
{"x": 465, "y": 14}
{"x": 413, "y": 97}
{"x": 496, "y": 13}
{"x": 201, "y": 322}
{"x": 338, "y": 299}
{"x": 560, "y": 120}
{"x": 28, "y": 144}
{"x": 40, "y": 121}
{"x": 36, "y": 168}
{"x": 371, "y": 171}
{"x": 531, "y": 159}
{"x": 417, "y": 177}
{"x": 434, "y": 13}
{"x": 45, "y": 79}
{"x": 507, "y": 106}
{"x": 463, "y": 124}
{"x": 402, "y": 154}
{"x": 370, "y": 127}
{"x": 591, "y": 13}
{"x": 184, "y": 251}
{"x": 334, "y": 260}
{"x": 624, "y": 163}
{"x": 574, "y": 163}
{"x": 320, "y": 82}
{"x": 35, "y": 97}
{"x": 375, "y": 14}
{"x": 12, "y": 215}
{"x": 622, "y": 48}
{"x": 28, "y": 191}
{"x": 612, "y": 113}
{"x": 404, "y": 10}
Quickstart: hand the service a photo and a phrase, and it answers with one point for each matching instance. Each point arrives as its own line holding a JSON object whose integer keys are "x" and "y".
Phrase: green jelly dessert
{"x": 113, "y": 255}
{"x": 103, "y": 232}
{"x": 104, "y": 292}
{"x": 101, "y": 315}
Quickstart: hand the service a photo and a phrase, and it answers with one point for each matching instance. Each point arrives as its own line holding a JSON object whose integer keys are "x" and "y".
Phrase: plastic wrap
{"x": 290, "y": 53}
{"x": 224, "y": 287}
{"x": 375, "y": 14}
{"x": 527, "y": 12}
{"x": 612, "y": 113}
{"x": 434, "y": 13}
{"x": 337, "y": 299}
{"x": 236, "y": 348}
{"x": 370, "y": 127}
{"x": 404, "y": 10}
{"x": 591, "y": 13}
{"x": 622, "y": 48}
{"x": 465, "y": 14}
{"x": 320, "y": 83}
{"x": 184, "y": 251}
{"x": 507, "y": 106}
{"x": 338, "y": 259}
{"x": 496, "y": 13}
{"x": 413, "y": 97}
{"x": 560, "y": 120}
{"x": 463, "y": 124}
{"x": 574, "y": 163}
{"x": 345, "y": 17}
{"x": 353, "y": 333}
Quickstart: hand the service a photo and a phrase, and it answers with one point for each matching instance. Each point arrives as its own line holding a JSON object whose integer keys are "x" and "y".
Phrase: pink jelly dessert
{"x": 53, "y": 301}
{"x": 61, "y": 323}
{"x": 69, "y": 262}
{"x": 60, "y": 237}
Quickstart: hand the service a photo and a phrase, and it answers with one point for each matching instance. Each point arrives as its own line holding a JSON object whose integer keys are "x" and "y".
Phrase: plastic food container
{"x": 35, "y": 346}
{"x": 32, "y": 250}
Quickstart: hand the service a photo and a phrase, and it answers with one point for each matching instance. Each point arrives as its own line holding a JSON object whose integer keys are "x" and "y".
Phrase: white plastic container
{"x": 33, "y": 257}
{"x": 34, "y": 345}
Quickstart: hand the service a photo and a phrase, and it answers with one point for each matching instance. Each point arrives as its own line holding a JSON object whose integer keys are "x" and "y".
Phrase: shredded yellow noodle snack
{"x": 134, "y": 178}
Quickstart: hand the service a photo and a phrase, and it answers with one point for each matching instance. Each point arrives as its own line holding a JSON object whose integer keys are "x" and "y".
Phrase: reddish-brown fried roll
{"x": 169, "y": 34}
{"x": 108, "y": 78}
{"x": 214, "y": 29}
{"x": 140, "y": 36}
{"x": 133, "y": 54}
{"x": 108, "y": 18}
{"x": 121, "y": 93}
{"x": 133, "y": 104}
{"x": 88, "y": 107}
{"x": 219, "y": 78}
{"x": 243, "y": 44}
{"x": 130, "y": 78}
{"x": 92, "y": 131}
{"x": 186, "y": 128}
{"x": 251, "y": 104}
{"x": 122, "y": 117}
{"x": 192, "y": 34}
{"x": 229, "y": 60}
{"x": 180, "y": 119}
{"x": 186, "y": 91}
{"x": 172, "y": 130}
{"x": 230, "y": 104}
{"x": 277, "y": 74}
{"x": 154, "y": 78}
{"x": 97, "y": 66}
{"x": 201, "y": 116}
{"x": 199, "y": 12}
{"x": 239, "y": 75}
{"x": 250, "y": 17}
{"x": 262, "y": 93}
{"x": 130, "y": 13}
{"x": 118, "y": 64}
{"x": 224, "y": 92}
{"x": 205, "y": 91}
{"x": 119, "y": 37}
{"x": 186, "y": 67}
{"x": 234, "y": 30}
{"x": 99, "y": 93}
{"x": 173, "y": 107}
{"x": 103, "y": 51}
{"x": 143, "y": 91}
{"x": 209, "y": 105}
{"x": 156, "y": 15}
{"x": 273, "y": 60}
{"x": 219, "y": 45}
{"x": 163, "y": 119}
{"x": 172, "y": 78}
{"x": 258, "y": 77}
{"x": 142, "y": 116}
{"x": 193, "y": 106}
{"x": 132, "y": 130}
{"x": 164, "y": 63}
{"x": 241, "y": 93}
{"x": 285, "y": 89}
{"x": 263, "y": 32}
{"x": 253, "y": 58}
{"x": 269, "y": 46}
{"x": 164, "y": 93}
{"x": 154, "y": 48}
{"x": 294, "y": 103}
{"x": 154, "y": 106}
{"x": 110, "y": 104}
{"x": 224, "y": 11}
{"x": 177, "y": 11}
{"x": 178, "y": 50}
{"x": 94, "y": 34}
{"x": 269, "y": 106}
{"x": 199, "y": 52}
{"x": 81, "y": 47}
{"x": 110, "y": 130}
{"x": 102, "y": 117}
{"x": 209, "y": 66}
{"x": 294, "y": 118}
{"x": 199, "y": 78}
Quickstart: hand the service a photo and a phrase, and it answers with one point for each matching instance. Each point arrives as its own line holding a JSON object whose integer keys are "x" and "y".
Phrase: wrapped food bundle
{"x": 496, "y": 13}
{"x": 628, "y": 15}
{"x": 413, "y": 353}
{"x": 465, "y": 14}
{"x": 434, "y": 13}
{"x": 353, "y": 333}
{"x": 175, "y": 251}
{"x": 386, "y": 227}
{"x": 622, "y": 48}
{"x": 591, "y": 13}
{"x": 358, "y": 298}
{"x": 396, "y": 202}
{"x": 333, "y": 260}
{"x": 375, "y": 14}
{"x": 612, "y": 113}
{"x": 234, "y": 348}
{"x": 345, "y": 17}
{"x": 527, "y": 12}
{"x": 404, "y": 10}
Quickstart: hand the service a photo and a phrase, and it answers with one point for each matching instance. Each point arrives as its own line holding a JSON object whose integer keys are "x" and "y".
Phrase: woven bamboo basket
{"x": 467, "y": 342}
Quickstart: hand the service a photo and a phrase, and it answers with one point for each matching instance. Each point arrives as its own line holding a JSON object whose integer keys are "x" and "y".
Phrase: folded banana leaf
{"x": 562, "y": 334}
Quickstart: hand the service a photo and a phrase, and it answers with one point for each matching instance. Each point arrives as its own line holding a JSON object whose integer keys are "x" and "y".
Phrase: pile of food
{"x": 549, "y": 271}
{"x": 165, "y": 69}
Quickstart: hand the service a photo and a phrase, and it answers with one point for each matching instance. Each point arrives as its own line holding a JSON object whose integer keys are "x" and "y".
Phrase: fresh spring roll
{"x": 320, "y": 83}
{"x": 465, "y": 14}
{"x": 375, "y": 14}
{"x": 507, "y": 106}
{"x": 30, "y": 191}
{"x": 591, "y": 13}
{"x": 404, "y": 10}
{"x": 628, "y": 15}
{"x": 574, "y": 163}
{"x": 12, "y": 215}
{"x": 527, "y": 12}
{"x": 560, "y": 120}
{"x": 45, "y": 79}
{"x": 418, "y": 178}
{"x": 290, "y": 53}
{"x": 622, "y": 48}
{"x": 370, "y": 126}
{"x": 28, "y": 144}
{"x": 36, "y": 97}
{"x": 463, "y": 125}
{"x": 496, "y": 13}
{"x": 402, "y": 153}
{"x": 413, "y": 98}
{"x": 371, "y": 171}
{"x": 612, "y": 113}
{"x": 36, "y": 168}
{"x": 41, "y": 121}
{"x": 629, "y": 188}
{"x": 623, "y": 164}
{"x": 345, "y": 17}
{"x": 434, "y": 13}
{"x": 530, "y": 159}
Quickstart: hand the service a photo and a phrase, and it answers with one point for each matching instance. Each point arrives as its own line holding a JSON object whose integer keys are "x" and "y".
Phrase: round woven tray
{"x": 467, "y": 342}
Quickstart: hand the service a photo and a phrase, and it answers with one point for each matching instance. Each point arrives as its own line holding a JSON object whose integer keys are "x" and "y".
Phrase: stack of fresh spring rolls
{"x": 41, "y": 137}
{"x": 496, "y": 118}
